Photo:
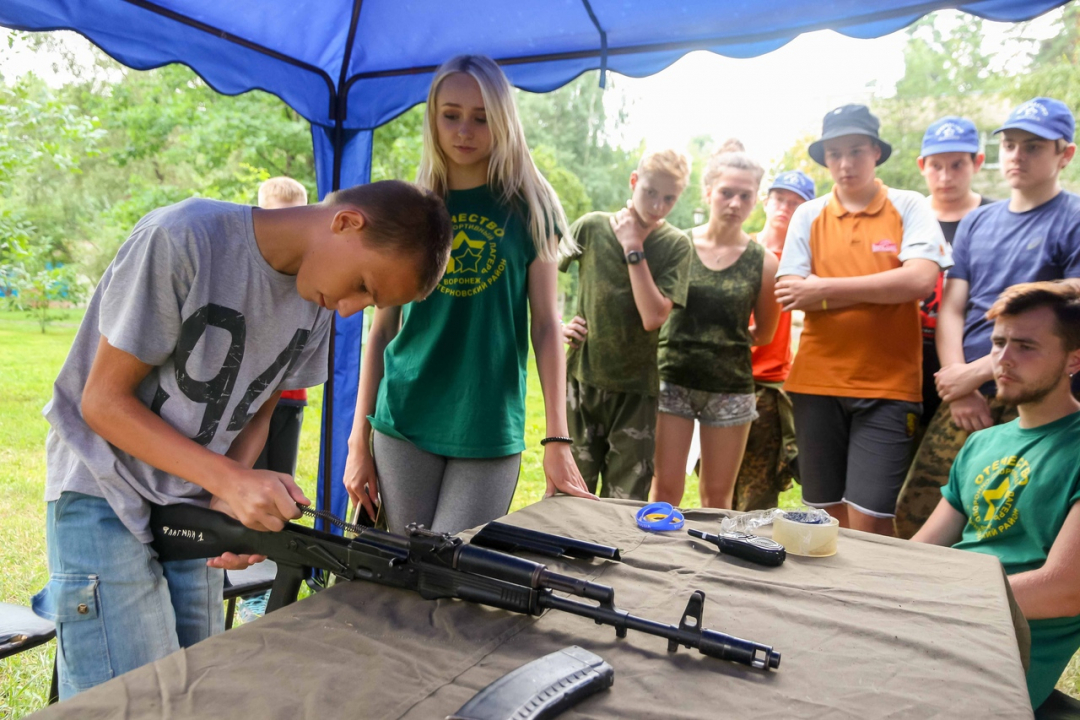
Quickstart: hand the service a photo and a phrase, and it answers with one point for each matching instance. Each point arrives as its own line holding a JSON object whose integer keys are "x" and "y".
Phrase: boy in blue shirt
{"x": 1033, "y": 236}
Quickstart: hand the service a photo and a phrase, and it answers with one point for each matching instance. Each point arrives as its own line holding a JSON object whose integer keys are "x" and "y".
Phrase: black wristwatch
{"x": 635, "y": 256}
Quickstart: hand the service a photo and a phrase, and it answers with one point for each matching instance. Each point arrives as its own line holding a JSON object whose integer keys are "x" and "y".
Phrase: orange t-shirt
{"x": 772, "y": 362}
{"x": 866, "y": 350}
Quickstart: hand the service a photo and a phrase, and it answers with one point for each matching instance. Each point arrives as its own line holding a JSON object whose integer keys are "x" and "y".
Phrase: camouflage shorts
{"x": 708, "y": 408}
{"x": 614, "y": 436}
{"x": 768, "y": 465}
{"x": 929, "y": 472}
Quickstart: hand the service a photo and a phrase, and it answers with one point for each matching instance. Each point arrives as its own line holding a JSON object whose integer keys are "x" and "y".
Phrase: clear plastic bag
{"x": 749, "y": 522}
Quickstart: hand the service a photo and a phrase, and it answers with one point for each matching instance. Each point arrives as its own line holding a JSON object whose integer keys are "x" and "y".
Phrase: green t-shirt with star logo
{"x": 619, "y": 354}
{"x": 454, "y": 380}
{"x": 1016, "y": 486}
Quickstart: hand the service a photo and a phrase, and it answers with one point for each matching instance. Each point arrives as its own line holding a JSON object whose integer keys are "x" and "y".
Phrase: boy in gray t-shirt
{"x": 206, "y": 314}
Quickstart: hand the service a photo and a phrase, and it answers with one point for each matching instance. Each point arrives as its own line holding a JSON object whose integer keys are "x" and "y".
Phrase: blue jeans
{"x": 116, "y": 607}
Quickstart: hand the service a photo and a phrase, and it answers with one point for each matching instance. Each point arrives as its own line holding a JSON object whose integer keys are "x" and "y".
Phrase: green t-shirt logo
{"x": 474, "y": 256}
{"x": 994, "y": 505}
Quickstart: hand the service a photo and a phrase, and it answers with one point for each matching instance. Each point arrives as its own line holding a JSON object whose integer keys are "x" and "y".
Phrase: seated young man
{"x": 1014, "y": 489}
{"x": 208, "y": 312}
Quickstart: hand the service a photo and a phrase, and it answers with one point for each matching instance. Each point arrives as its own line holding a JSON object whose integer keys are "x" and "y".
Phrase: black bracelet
{"x": 558, "y": 439}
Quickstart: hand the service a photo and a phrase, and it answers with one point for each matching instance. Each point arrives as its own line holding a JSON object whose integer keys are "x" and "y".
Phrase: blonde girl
{"x": 705, "y": 366}
{"x": 442, "y": 382}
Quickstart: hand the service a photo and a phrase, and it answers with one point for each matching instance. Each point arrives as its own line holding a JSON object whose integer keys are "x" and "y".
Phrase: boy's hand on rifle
{"x": 263, "y": 499}
{"x": 574, "y": 332}
{"x": 230, "y": 561}
{"x": 562, "y": 472}
{"x": 361, "y": 480}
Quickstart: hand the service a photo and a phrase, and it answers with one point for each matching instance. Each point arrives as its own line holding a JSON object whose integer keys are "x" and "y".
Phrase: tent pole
{"x": 340, "y": 103}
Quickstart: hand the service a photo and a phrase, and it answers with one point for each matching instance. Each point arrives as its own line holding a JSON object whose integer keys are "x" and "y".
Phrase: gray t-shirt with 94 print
{"x": 189, "y": 293}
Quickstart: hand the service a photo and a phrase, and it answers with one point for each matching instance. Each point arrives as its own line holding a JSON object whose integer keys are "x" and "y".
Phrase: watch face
{"x": 635, "y": 256}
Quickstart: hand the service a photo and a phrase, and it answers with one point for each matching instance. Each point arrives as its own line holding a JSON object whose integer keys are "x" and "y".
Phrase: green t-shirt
{"x": 454, "y": 380}
{"x": 706, "y": 344}
{"x": 618, "y": 353}
{"x": 1016, "y": 487}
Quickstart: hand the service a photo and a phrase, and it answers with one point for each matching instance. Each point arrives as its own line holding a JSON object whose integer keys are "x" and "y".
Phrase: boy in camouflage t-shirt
{"x": 633, "y": 269}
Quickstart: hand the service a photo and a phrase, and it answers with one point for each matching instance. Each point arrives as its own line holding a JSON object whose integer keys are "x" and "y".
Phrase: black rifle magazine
{"x": 541, "y": 689}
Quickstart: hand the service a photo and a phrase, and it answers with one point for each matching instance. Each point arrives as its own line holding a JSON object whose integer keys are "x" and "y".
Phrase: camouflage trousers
{"x": 929, "y": 472}
{"x": 768, "y": 464}
{"x": 614, "y": 436}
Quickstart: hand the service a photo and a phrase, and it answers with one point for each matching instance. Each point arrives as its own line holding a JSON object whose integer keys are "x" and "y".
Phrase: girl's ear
{"x": 633, "y": 179}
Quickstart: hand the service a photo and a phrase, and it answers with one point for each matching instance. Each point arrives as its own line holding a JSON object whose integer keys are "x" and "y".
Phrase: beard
{"x": 1034, "y": 391}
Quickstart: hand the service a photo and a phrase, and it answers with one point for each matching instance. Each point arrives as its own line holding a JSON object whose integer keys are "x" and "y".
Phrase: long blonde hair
{"x": 511, "y": 170}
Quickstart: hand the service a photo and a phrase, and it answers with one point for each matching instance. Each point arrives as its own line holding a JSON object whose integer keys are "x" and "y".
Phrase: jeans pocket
{"x": 73, "y": 602}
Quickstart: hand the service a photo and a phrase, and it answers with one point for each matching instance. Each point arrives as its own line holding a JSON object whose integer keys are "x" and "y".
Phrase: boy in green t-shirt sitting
{"x": 633, "y": 268}
{"x": 1014, "y": 489}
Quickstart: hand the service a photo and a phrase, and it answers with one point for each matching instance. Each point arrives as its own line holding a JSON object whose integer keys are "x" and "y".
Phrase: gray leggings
{"x": 444, "y": 494}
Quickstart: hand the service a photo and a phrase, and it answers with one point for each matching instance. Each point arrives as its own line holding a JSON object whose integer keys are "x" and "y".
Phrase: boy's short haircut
{"x": 1062, "y": 298}
{"x": 668, "y": 162}
{"x": 406, "y": 219}
{"x": 284, "y": 190}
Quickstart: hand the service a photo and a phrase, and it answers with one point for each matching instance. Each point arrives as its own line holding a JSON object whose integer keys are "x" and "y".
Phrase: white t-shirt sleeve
{"x": 923, "y": 238}
{"x": 796, "y": 259}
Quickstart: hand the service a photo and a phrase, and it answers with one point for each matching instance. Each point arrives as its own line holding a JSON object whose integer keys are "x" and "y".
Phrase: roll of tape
{"x": 805, "y": 538}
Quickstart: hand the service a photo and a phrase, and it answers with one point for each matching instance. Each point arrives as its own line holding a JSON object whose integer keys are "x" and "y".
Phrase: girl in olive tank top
{"x": 705, "y": 365}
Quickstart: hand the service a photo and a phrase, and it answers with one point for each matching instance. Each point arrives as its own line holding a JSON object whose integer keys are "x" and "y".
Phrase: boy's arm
{"x": 360, "y": 479}
{"x": 651, "y": 304}
{"x": 913, "y": 280}
{"x": 261, "y": 499}
{"x": 560, "y": 469}
{"x": 944, "y": 526}
{"x": 1053, "y": 590}
{"x": 766, "y": 310}
{"x": 249, "y": 442}
{"x": 958, "y": 382}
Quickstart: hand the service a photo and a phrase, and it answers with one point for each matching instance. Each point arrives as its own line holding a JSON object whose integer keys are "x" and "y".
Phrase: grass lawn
{"x": 29, "y": 362}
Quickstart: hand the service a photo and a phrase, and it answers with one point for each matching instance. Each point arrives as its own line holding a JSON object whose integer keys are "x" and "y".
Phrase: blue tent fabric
{"x": 349, "y": 66}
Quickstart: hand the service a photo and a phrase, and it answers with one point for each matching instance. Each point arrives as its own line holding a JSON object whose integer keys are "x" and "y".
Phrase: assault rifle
{"x": 436, "y": 566}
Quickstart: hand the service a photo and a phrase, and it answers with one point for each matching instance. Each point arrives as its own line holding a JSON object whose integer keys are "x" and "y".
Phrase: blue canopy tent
{"x": 348, "y": 66}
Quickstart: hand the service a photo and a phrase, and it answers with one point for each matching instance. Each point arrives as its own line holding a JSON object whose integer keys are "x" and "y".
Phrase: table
{"x": 884, "y": 628}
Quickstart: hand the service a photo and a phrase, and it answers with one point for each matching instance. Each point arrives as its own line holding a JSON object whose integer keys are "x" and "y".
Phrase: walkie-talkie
{"x": 752, "y": 548}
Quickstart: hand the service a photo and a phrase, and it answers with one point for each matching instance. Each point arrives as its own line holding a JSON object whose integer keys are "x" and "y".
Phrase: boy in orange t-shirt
{"x": 856, "y": 262}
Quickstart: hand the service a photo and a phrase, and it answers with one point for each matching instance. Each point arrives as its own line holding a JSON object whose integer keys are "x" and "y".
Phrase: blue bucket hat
{"x": 797, "y": 182}
{"x": 950, "y": 134}
{"x": 1048, "y": 118}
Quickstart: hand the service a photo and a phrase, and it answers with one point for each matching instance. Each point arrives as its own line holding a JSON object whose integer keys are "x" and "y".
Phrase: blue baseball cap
{"x": 797, "y": 182}
{"x": 1048, "y": 118}
{"x": 950, "y": 134}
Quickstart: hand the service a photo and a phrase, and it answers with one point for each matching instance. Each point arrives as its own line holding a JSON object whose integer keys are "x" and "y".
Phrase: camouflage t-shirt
{"x": 618, "y": 353}
{"x": 706, "y": 344}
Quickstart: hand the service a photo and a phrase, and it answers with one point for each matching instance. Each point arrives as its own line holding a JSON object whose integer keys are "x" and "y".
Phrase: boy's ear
{"x": 980, "y": 158}
{"x": 922, "y": 163}
{"x": 633, "y": 179}
{"x": 348, "y": 220}
{"x": 1068, "y": 153}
